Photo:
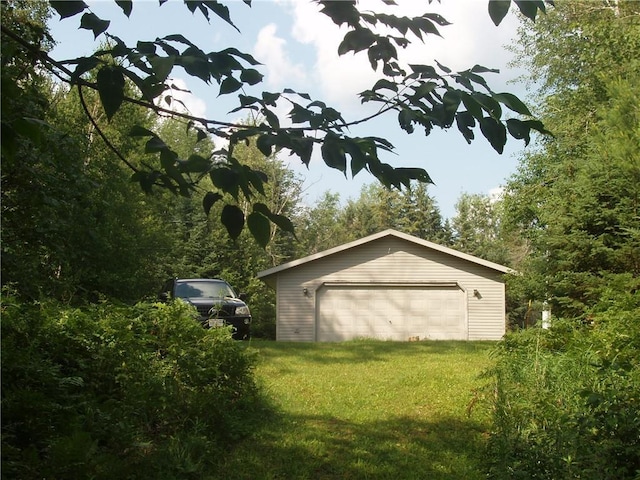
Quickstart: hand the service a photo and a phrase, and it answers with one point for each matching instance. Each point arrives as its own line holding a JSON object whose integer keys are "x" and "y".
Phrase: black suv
{"x": 216, "y": 302}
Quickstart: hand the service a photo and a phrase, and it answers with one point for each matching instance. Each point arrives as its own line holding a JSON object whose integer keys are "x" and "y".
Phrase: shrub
{"x": 567, "y": 399}
{"x": 119, "y": 392}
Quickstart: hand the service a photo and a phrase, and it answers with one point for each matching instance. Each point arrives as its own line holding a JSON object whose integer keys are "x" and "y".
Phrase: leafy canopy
{"x": 420, "y": 96}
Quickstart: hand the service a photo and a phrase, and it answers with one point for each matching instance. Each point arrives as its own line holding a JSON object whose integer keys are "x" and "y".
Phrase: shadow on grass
{"x": 315, "y": 447}
{"x": 364, "y": 351}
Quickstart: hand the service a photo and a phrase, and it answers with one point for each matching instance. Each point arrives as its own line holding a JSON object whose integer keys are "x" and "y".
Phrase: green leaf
{"x": 110, "y": 83}
{"x": 260, "y": 228}
{"x": 176, "y": 37}
{"x": 233, "y": 219}
{"x": 84, "y": 64}
{"x": 439, "y": 19}
{"x": 251, "y": 76}
{"x": 265, "y": 144}
{"x": 299, "y": 114}
{"x": 495, "y": 132}
{"x": 303, "y": 147}
{"x": 195, "y": 63}
{"x": 442, "y": 67}
{"x": 341, "y": 12}
{"x": 405, "y": 119}
{"x": 384, "y": 83}
{"x": 529, "y": 8}
{"x": 90, "y": 21}
{"x": 488, "y": 104}
{"x": 195, "y": 164}
{"x": 126, "y": 6}
{"x": 226, "y": 180}
{"x": 425, "y": 71}
{"x": 451, "y": 101}
{"x": 67, "y": 8}
{"x": 222, "y": 64}
{"x": 154, "y": 145}
{"x": 221, "y": 11}
{"x": 201, "y": 135}
{"x": 281, "y": 221}
{"x": 209, "y": 200}
{"x": 498, "y": 9}
{"x": 356, "y": 41}
{"x": 425, "y": 25}
{"x": 138, "y": 131}
{"x": 168, "y": 161}
{"x": 146, "y": 180}
{"x": 472, "y": 105}
{"x": 466, "y": 122}
{"x": 146, "y": 48}
{"x": 519, "y": 130}
{"x": 538, "y": 126}
{"x": 480, "y": 69}
{"x": 229, "y": 85}
{"x": 246, "y": 100}
{"x": 237, "y": 53}
{"x": 418, "y": 174}
{"x": 256, "y": 178}
{"x": 512, "y": 102}
{"x": 332, "y": 153}
{"x": 161, "y": 66}
{"x": 272, "y": 118}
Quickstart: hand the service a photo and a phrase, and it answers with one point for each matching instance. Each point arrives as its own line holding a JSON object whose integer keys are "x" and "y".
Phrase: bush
{"x": 567, "y": 399}
{"x": 119, "y": 392}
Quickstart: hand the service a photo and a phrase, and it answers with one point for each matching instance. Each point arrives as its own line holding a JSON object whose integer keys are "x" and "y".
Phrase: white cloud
{"x": 339, "y": 78}
{"x": 471, "y": 39}
{"x": 271, "y": 51}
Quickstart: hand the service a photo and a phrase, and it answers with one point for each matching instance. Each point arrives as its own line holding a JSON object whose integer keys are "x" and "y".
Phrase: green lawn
{"x": 366, "y": 410}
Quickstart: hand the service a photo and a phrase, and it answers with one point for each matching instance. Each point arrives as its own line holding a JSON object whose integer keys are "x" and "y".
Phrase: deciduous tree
{"x": 420, "y": 96}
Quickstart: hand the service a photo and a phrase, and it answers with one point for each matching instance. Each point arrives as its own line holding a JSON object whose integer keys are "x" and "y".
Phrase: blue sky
{"x": 297, "y": 47}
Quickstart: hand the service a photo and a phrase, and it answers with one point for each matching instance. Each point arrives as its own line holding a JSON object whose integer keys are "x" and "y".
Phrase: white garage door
{"x": 396, "y": 312}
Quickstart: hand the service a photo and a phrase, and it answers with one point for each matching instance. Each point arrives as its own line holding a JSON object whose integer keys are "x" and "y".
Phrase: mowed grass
{"x": 367, "y": 410}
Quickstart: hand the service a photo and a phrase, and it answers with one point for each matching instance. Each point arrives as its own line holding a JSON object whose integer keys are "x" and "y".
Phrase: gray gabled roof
{"x": 376, "y": 236}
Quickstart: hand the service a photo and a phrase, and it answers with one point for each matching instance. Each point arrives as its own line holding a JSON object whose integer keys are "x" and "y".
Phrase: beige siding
{"x": 388, "y": 260}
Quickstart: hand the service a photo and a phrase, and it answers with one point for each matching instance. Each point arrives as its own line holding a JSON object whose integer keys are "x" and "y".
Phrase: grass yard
{"x": 366, "y": 410}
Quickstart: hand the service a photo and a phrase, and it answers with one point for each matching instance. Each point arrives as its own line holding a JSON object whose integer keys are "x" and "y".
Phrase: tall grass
{"x": 367, "y": 409}
{"x": 568, "y": 398}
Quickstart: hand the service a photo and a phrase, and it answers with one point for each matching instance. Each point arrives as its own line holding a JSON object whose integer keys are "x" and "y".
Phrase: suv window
{"x": 204, "y": 289}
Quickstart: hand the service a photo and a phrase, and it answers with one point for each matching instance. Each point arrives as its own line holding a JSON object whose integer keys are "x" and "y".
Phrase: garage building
{"x": 389, "y": 286}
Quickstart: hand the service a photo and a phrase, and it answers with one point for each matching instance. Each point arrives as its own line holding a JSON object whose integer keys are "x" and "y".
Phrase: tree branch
{"x": 100, "y": 132}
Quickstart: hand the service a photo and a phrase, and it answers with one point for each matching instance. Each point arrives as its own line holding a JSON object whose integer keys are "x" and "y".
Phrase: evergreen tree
{"x": 477, "y": 230}
{"x": 412, "y": 211}
{"x": 319, "y": 227}
{"x": 575, "y": 200}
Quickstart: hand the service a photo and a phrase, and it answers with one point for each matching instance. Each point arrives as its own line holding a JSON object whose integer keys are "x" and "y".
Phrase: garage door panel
{"x": 390, "y": 313}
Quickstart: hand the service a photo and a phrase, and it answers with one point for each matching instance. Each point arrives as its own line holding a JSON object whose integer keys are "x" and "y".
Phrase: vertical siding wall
{"x": 389, "y": 260}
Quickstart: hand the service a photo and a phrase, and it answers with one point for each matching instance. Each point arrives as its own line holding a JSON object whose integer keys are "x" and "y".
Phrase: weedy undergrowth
{"x": 109, "y": 391}
{"x": 567, "y": 399}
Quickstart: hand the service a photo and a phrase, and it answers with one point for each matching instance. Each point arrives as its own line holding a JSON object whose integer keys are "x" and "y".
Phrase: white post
{"x": 546, "y": 315}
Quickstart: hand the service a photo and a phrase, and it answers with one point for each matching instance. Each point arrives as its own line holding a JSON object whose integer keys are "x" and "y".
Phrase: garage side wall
{"x": 389, "y": 260}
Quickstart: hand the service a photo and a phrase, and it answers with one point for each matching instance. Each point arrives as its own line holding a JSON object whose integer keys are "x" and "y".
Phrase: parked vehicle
{"x": 216, "y": 302}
